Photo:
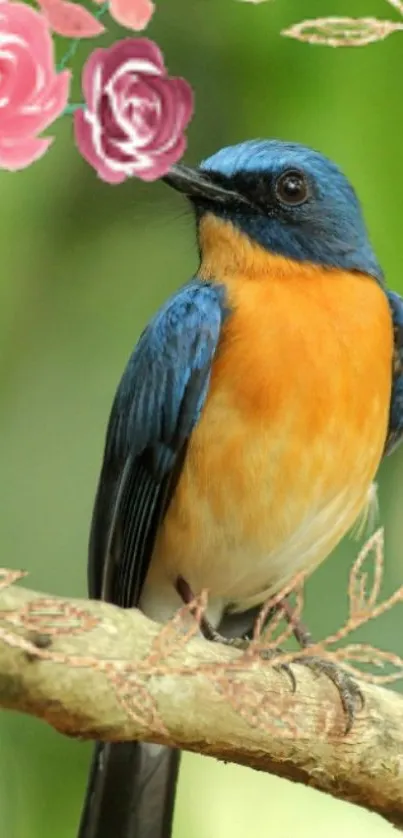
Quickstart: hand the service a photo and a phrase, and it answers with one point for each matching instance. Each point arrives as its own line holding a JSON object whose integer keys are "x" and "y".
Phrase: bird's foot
{"x": 350, "y": 693}
{"x": 243, "y": 644}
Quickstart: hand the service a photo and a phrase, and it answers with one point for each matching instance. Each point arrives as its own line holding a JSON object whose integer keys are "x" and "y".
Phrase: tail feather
{"x": 131, "y": 791}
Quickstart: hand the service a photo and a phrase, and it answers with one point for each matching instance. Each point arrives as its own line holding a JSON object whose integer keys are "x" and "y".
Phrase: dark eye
{"x": 291, "y": 188}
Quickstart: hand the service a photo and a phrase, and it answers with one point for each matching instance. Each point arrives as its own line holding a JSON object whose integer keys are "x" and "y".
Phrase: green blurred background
{"x": 84, "y": 267}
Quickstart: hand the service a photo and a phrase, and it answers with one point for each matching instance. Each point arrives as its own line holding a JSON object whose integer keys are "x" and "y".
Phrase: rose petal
{"x": 114, "y": 151}
{"x": 136, "y": 113}
{"x": 31, "y": 26}
{"x": 84, "y": 141}
{"x": 133, "y": 55}
{"x": 70, "y": 19}
{"x": 92, "y": 78}
{"x": 22, "y": 123}
{"x": 177, "y": 108}
{"x": 18, "y": 155}
{"x": 185, "y": 96}
{"x": 175, "y": 113}
{"x": 18, "y": 76}
{"x": 134, "y": 14}
{"x": 163, "y": 162}
{"x": 107, "y": 118}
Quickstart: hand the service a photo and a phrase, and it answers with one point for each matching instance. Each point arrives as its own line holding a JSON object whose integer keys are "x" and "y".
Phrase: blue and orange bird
{"x": 248, "y": 426}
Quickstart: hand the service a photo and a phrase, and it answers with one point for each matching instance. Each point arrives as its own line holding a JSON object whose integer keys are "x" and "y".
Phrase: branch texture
{"x": 96, "y": 671}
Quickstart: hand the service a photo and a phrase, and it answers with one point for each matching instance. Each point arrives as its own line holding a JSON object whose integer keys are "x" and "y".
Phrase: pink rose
{"x": 135, "y": 116}
{"x": 32, "y": 94}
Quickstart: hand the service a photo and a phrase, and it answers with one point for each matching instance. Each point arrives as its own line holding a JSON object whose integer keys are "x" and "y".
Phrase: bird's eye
{"x": 291, "y": 188}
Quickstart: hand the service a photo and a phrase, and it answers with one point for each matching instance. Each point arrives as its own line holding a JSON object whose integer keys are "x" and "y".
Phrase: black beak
{"x": 198, "y": 185}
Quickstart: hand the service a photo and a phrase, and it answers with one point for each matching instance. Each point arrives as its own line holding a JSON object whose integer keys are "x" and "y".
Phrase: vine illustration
{"x": 45, "y": 619}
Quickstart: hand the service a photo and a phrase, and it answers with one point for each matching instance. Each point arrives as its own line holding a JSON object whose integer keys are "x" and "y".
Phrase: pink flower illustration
{"x": 136, "y": 114}
{"x": 134, "y": 14}
{"x": 70, "y": 19}
{"x": 32, "y": 94}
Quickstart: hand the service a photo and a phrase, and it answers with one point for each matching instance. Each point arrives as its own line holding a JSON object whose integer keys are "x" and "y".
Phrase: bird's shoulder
{"x": 169, "y": 363}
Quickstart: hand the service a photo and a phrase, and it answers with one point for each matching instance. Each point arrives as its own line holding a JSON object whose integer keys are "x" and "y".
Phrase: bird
{"x": 248, "y": 426}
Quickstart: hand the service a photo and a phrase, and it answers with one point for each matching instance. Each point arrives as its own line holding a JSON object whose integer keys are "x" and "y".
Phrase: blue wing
{"x": 156, "y": 407}
{"x": 395, "y": 430}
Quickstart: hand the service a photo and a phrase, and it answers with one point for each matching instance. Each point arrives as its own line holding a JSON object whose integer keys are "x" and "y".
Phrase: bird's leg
{"x": 349, "y": 691}
{"x": 210, "y": 633}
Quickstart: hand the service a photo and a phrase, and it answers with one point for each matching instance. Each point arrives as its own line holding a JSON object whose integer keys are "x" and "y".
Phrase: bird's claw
{"x": 285, "y": 668}
{"x": 243, "y": 643}
{"x": 268, "y": 655}
{"x": 349, "y": 691}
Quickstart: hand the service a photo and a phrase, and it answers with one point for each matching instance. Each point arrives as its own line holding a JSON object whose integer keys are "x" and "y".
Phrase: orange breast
{"x": 292, "y": 432}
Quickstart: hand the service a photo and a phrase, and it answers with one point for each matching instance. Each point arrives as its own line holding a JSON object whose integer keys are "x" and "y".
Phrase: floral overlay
{"x": 134, "y": 117}
{"x": 135, "y": 114}
{"x": 32, "y": 94}
{"x": 48, "y": 618}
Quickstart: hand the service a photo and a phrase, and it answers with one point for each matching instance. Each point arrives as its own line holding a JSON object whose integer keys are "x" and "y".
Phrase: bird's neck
{"x": 227, "y": 252}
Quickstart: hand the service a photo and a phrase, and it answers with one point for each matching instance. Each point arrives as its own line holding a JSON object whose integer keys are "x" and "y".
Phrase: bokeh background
{"x": 84, "y": 265}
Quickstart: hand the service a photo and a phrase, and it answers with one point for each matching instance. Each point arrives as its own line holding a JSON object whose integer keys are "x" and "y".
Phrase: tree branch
{"x": 95, "y": 671}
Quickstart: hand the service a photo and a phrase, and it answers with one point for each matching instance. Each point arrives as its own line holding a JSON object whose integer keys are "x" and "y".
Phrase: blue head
{"x": 287, "y": 198}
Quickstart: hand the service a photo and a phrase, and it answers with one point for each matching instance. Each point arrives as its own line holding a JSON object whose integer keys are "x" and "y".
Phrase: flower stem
{"x": 73, "y": 107}
{"x": 74, "y": 44}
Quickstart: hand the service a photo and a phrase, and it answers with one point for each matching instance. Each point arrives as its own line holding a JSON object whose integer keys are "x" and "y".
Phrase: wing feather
{"x": 395, "y": 429}
{"x": 156, "y": 407}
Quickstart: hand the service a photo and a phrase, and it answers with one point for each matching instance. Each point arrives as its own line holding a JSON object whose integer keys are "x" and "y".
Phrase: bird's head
{"x": 283, "y": 197}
